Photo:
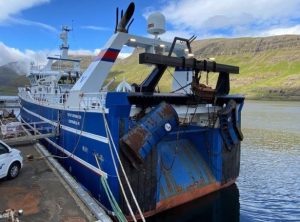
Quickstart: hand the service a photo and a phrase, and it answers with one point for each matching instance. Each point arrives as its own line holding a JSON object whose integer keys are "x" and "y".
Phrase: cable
{"x": 185, "y": 117}
{"x": 75, "y": 148}
{"x": 110, "y": 196}
{"x": 122, "y": 168}
{"x": 194, "y": 114}
{"x": 115, "y": 166}
{"x": 181, "y": 88}
{"x": 173, "y": 160}
{"x": 76, "y": 144}
{"x": 176, "y": 81}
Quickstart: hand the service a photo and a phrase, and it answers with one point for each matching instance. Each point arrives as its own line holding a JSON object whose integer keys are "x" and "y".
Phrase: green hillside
{"x": 269, "y": 67}
{"x": 10, "y": 80}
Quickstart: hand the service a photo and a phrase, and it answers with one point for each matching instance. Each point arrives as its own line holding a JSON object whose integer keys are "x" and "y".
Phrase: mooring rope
{"x": 115, "y": 166}
{"x": 121, "y": 165}
{"x": 116, "y": 209}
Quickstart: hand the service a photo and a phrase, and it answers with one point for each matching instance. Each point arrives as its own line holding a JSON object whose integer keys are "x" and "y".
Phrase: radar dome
{"x": 156, "y": 23}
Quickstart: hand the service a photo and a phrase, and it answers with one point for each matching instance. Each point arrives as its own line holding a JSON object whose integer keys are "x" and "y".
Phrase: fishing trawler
{"x": 136, "y": 150}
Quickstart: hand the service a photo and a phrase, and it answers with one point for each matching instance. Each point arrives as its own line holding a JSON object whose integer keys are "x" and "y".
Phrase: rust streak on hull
{"x": 189, "y": 196}
{"x": 184, "y": 198}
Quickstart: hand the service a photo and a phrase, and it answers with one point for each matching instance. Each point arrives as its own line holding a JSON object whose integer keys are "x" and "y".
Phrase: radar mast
{"x": 64, "y": 47}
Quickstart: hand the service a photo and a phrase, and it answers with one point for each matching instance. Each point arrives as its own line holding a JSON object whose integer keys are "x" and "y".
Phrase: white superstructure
{"x": 59, "y": 74}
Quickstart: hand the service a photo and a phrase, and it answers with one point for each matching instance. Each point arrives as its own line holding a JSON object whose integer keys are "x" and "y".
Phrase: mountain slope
{"x": 11, "y": 79}
{"x": 269, "y": 67}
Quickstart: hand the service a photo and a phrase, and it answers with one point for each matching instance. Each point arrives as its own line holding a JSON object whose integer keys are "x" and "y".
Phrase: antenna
{"x": 129, "y": 25}
{"x": 72, "y": 25}
{"x": 156, "y": 23}
{"x": 117, "y": 19}
{"x": 64, "y": 47}
{"x": 125, "y": 18}
{"x": 192, "y": 38}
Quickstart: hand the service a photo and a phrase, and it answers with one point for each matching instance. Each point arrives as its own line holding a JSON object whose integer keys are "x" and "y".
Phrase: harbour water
{"x": 268, "y": 188}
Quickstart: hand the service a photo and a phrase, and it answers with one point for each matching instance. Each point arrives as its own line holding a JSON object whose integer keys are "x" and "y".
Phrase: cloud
{"x": 13, "y": 7}
{"x": 229, "y": 17}
{"x": 294, "y": 30}
{"x": 95, "y": 28}
{"x": 85, "y": 52}
{"x": 10, "y": 54}
{"x": 9, "y": 11}
{"x": 124, "y": 55}
{"x": 32, "y": 23}
{"x": 170, "y": 34}
{"x": 24, "y": 58}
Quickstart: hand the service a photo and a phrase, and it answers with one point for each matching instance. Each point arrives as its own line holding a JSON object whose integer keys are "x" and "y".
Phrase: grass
{"x": 271, "y": 74}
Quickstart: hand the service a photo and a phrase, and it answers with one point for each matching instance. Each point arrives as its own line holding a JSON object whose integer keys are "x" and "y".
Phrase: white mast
{"x": 93, "y": 78}
{"x": 64, "y": 37}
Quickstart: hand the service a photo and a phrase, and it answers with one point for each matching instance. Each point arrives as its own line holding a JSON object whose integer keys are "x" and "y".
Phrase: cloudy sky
{"x": 29, "y": 29}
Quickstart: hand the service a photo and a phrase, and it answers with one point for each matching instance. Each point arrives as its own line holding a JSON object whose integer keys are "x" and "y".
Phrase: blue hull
{"x": 187, "y": 163}
{"x": 70, "y": 140}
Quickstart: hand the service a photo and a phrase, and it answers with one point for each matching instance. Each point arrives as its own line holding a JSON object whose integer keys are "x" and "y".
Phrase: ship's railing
{"x": 66, "y": 69}
{"x": 54, "y": 67}
{"x": 65, "y": 87}
{"x": 93, "y": 100}
{"x": 89, "y": 101}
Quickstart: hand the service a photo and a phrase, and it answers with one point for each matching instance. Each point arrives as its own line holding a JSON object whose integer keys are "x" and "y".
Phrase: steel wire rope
{"x": 177, "y": 81}
{"x": 86, "y": 105}
{"x": 176, "y": 149}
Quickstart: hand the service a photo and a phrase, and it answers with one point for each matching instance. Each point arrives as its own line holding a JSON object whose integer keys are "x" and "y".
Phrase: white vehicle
{"x": 11, "y": 161}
